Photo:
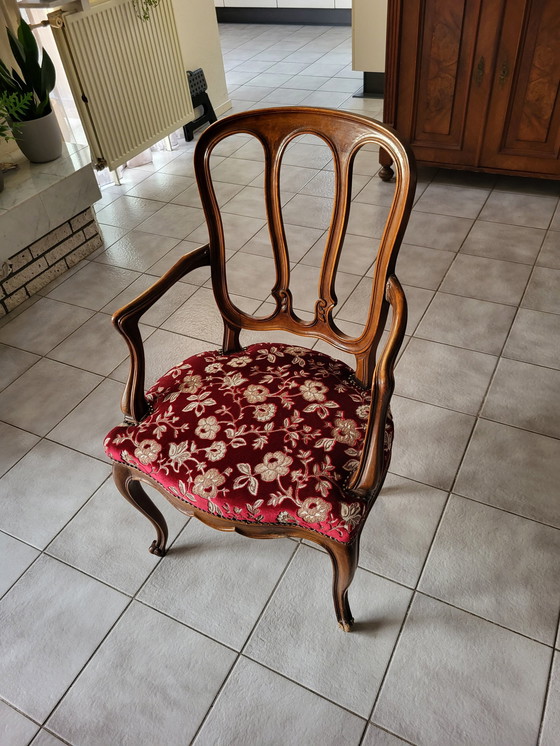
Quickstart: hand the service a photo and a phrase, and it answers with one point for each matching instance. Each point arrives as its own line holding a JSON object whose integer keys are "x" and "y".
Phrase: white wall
{"x": 369, "y": 28}
{"x": 199, "y": 39}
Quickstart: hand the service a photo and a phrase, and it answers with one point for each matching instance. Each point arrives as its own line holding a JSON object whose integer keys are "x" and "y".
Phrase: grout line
{"x": 248, "y": 638}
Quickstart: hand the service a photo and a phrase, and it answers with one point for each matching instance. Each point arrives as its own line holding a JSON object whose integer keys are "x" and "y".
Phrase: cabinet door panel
{"x": 445, "y": 57}
{"x": 523, "y": 131}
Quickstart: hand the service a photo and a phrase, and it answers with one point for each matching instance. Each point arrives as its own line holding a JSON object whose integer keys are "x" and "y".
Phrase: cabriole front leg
{"x": 344, "y": 560}
{"x": 130, "y": 488}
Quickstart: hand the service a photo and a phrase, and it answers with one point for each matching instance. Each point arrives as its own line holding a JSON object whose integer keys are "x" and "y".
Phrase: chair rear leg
{"x": 344, "y": 560}
{"x": 130, "y": 488}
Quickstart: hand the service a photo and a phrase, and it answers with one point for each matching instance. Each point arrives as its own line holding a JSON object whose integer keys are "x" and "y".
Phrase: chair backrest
{"x": 345, "y": 134}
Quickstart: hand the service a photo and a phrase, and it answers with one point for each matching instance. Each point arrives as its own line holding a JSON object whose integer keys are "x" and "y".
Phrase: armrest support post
{"x": 134, "y": 403}
{"x": 367, "y": 478}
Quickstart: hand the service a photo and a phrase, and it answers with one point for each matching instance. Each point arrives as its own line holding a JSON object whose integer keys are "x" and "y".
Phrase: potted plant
{"x": 10, "y": 104}
{"x": 37, "y": 132}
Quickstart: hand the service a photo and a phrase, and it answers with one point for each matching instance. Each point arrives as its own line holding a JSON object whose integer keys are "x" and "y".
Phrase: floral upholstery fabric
{"x": 268, "y": 435}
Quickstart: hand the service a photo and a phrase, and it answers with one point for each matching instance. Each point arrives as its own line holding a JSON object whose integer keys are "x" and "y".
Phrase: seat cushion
{"x": 268, "y": 435}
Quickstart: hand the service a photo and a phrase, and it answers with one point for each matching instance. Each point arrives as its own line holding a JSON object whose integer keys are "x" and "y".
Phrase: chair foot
{"x": 346, "y": 626}
{"x": 130, "y": 488}
{"x": 156, "y": 549}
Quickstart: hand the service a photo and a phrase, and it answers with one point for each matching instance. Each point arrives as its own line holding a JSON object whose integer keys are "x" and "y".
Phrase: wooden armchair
{"x": 273, "y": 440}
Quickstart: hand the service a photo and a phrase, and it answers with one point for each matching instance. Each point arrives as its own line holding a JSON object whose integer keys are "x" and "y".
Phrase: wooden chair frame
{"x": 345, "y": 134}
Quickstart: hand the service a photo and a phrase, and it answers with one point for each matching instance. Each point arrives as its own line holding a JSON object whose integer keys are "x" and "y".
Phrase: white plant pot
{"x": 39, "y": 139}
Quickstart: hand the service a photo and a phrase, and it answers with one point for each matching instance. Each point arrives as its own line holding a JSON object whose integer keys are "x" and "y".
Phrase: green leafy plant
{"x": 12, "y": 109}
{"x": 35, "y": 80}
{"x": 143, "y": 7}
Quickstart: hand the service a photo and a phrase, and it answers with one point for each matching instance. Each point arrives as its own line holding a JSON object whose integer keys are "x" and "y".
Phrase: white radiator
{"x": 126, "y": 76}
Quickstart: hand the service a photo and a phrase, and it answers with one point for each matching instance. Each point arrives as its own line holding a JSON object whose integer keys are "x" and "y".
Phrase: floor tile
{"x": 551, "y": 720}
{"x": 447, "y": 376}
{"x": 85, "y": 428}
{"x": 267, "y": 697}
{"x": 356, "y": 307}
{"x": 196, "y": 277}
{"x": 301, "y": 610}
{"x": 458, "y": 201}
{"x": 429, "y": 442}
{"x": 367, "y": 220}
{"x": 486, "y": 279}
{"x": 162, "y": 187}
{"x": 512, "y": 243}
{"x": 137, "y": 250}
{"x": 308, "y": 211}
{"x": 525, "y": 396}
{"x": 223, "y": 191}
{"x": 299, "y": 240}
{"x": 163, "y": 350}
{"x": 127, "y": 212}
{"x": 377, "y": 737}
{"x": 250, "y": 275}
{"x": 44, "y": 394}
{"x": 437, "y": 231}
{"x": 543, "y": 290}
{"x": 15, "y": 444}
{"x": 16, "y": 558}
{"x": 304, "y": 286}
{"x": 200, "y": 318}
{"x": 422, "y": 267}
{"x": 459, "y": 680}
{"x": 109, "y": 539}
{"x": 175, "y": 221}
{"x": 479, "y": 549}
{"x": 514, "y": 470}
{"x": 13, "y": 363}
{"x": 534, "y": 338}
{"x": 96, "y": 334}
{"x": 42, "y": 326}
{"x": 243, "y": 573}
{"x": 358, "y": 253}
{"x": 400, "y": 528}
{"x": 94, "y": 285}
{"x": 465, "y": 322}
{"x": 49, "y": 632}
{"x": 15, "y": 728}
{"x": 44, "y": 490}
{"x": 99, "y": 707}
{"x": 519, "y": 209}
{"x": 308, "y": 155}
{"x": 377, "y": 192}
{"x": 154, "y": 316}
{"x": 555, "y": 222}
{"x": 44, "y": 738}
{"x": 250, "y": 202}
{"x": 323, "y": 184}
{"x": 550, "y": 252}
{"x": 238, "y": 229}
{"x": 237, "y": 170}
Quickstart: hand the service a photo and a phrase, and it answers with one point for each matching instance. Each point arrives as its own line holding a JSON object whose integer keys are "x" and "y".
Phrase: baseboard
{"x": 303, "y": 16}
{"x": 222, "y": 108}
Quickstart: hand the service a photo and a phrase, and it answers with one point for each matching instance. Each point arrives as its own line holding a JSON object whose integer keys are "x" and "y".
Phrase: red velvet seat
{"x": 270, "y": 436}
{"x": 274, "y": 440}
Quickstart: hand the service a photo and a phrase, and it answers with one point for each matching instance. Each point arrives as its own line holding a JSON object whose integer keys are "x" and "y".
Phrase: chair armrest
{"x": 368, "y": 477}
{"x": 134, "y": 403}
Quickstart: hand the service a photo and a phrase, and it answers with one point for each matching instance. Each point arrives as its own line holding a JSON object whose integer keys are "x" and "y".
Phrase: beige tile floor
{"x": 226, "y": 641}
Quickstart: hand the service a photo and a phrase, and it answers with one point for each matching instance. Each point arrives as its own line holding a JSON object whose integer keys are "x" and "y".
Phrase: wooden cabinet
{"x": 475, "y": 84}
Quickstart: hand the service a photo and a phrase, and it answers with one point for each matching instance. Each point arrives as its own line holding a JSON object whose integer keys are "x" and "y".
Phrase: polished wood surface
{"x": 475, "y": 85}
{"x": 345, "y": 134}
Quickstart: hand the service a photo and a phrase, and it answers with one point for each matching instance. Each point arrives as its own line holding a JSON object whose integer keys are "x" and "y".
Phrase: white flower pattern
{"x": 291, "y": 426}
